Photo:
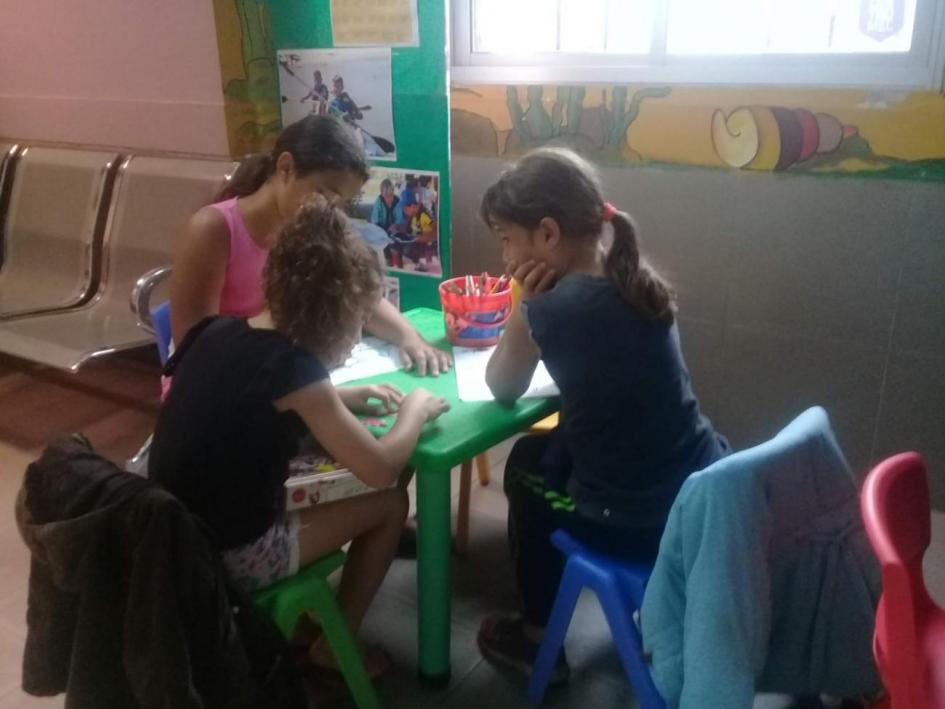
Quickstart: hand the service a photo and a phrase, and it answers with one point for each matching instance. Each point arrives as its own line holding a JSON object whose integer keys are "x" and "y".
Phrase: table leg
{"x": 433, "y": 574}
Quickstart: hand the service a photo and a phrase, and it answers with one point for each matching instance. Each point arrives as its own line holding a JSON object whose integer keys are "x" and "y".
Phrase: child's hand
{"x": 533, "y": 277}
{"x": 418, "y": 354}
{"x": 425, "y": 403}
{"x": 357, "y": 398}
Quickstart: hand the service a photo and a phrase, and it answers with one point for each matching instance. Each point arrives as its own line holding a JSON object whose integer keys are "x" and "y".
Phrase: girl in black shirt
{"x": 245, "y": 390}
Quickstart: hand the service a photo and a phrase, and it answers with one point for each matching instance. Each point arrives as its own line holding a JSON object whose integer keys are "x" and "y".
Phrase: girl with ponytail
{"x": 220, "y": 257}
{"x": 603, "y": 322}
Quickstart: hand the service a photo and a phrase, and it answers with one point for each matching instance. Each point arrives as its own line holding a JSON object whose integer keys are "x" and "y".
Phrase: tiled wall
{"x": 793, "y": 291}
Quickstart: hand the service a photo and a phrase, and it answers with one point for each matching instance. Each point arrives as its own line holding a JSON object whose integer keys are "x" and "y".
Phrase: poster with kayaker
{"x": 353, "y": 84}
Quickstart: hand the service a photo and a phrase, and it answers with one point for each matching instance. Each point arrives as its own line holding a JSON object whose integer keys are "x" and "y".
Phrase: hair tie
{"x": 609, "y": 212}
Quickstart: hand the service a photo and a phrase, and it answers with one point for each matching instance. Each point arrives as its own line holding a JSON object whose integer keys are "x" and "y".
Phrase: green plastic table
{"x": 467, "y": 429}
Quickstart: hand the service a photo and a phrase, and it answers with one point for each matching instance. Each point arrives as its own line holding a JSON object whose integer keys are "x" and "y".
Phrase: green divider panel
{"x": 420, "y": 102}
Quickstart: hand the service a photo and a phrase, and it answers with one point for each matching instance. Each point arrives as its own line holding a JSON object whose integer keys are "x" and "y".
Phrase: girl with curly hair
{"x": 244, "y": 392}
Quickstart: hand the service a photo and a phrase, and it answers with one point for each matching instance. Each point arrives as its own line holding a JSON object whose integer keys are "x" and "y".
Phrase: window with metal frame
{"x": 857, "y": 43}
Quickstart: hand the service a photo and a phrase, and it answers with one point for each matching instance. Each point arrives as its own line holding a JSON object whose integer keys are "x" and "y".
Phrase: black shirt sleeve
{"x": 293, "y": 369}
{"x": 286, "y": 369}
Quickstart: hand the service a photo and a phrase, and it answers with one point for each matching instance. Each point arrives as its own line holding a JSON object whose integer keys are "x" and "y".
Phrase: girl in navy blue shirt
{"x": 603, "y": 322}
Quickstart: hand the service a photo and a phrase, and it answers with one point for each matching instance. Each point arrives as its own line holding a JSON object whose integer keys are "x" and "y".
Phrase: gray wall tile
{"x": 702, "y": 349}
{"x": 686, "y": 222}
{"x": 913, "y": 414}
{"x": 920, "y": 316}
{"x": 818, "y": 257}
{"x": 474, "y": 248}
{"x": 769, "y": 378}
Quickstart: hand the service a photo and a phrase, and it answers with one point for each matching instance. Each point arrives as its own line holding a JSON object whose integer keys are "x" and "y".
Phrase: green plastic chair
{"x": 309, "y": 591}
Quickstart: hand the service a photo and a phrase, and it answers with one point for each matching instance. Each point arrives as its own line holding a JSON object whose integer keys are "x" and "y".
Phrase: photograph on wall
{"x": 353, "y": 84}
{"x": 398, "y": 215}
{"x": 374, "y": 23}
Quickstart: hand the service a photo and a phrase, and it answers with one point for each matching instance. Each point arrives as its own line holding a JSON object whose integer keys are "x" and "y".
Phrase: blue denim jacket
{"x": 765, "y": 579}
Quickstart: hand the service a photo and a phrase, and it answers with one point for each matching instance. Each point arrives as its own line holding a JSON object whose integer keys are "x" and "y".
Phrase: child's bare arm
{"x": 513, "y": 363}
{"x": 376, "y": 461}
{"x": 199, "y": 270}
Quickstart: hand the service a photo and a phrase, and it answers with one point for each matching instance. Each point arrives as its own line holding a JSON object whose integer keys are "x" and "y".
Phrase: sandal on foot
{"x": 502, "y": 641}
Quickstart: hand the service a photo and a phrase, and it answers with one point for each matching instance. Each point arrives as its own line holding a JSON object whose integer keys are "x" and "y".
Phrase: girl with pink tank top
{"x": 318, "y": 154}
{"x": 242, "y": 294}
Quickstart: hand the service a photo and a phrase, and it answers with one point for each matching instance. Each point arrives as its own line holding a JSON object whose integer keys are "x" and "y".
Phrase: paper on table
{"x": 471, "y": 376}
{"x": 369, "y": 357}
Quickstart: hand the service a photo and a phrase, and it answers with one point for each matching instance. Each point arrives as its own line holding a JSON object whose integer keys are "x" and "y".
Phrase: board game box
{"x": 315, "y": 478}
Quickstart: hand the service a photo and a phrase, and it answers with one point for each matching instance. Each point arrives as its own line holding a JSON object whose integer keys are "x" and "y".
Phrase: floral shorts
{"x": 274, "y": 556}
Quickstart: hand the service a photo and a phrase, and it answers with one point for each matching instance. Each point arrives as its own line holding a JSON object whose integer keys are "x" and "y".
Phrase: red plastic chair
{"x": 909, "y": 642}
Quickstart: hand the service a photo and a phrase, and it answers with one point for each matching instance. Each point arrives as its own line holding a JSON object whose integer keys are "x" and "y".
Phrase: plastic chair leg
{"x": 461, "y": 540}
{"x": 555, "y": 632}
{"x": 344, "y": 648}
{"x": 310, "y": 591}
{"x": 628, "y": 641}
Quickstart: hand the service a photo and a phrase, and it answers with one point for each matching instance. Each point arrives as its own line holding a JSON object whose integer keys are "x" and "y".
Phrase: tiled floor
{"x": 114, "y": 403}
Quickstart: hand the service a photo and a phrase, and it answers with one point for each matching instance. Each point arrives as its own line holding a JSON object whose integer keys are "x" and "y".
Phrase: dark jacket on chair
{"x": 128, "y": 602}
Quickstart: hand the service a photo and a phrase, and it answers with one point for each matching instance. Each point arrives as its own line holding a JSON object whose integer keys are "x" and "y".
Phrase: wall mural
{"x": 898, "y": 135}
{"x": 249, "y": 75}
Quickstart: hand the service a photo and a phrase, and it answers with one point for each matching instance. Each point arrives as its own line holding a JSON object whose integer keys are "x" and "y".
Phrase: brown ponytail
{"x": 315, "y": 143}
{"x": 637, "y": 282}
{"x": 252, "y": 172}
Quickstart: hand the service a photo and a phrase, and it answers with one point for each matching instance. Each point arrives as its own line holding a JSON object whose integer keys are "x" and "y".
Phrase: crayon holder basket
{"x": 475, "y": 320}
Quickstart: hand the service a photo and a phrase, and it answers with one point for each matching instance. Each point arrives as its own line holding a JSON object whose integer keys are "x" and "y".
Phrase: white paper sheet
{"x": 369, "y": 357}
{"x": 471, "y": 376}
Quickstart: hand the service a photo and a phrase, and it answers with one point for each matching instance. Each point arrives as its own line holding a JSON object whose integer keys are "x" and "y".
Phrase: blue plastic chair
{"x": 619, "y": 586}
{"x": 161, "y": 322}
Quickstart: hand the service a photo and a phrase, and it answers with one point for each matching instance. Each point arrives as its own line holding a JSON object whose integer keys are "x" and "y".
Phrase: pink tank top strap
{"x": 242, "y": 294}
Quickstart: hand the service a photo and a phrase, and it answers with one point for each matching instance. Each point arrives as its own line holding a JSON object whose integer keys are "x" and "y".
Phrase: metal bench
{"x": 152, "y": 198}
{"x": 8, "y": 153}
{"x": 52, "y": 229}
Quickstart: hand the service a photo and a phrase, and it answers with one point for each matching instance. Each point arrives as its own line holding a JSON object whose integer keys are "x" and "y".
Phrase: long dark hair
{"x": 315, "y": 143}
{"x": 556, "y": 183}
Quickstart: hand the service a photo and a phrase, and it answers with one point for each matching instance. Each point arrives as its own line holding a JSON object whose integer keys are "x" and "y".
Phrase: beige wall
{"x": 126, "y": 73}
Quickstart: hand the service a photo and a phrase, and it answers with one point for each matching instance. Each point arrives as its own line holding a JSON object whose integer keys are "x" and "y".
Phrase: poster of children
{"x": 353, "y": 84}
{"x": 400, "y": 211}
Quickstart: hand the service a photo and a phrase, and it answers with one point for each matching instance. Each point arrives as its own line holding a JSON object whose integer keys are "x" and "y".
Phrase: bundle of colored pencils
{"x": 479, "y": 285}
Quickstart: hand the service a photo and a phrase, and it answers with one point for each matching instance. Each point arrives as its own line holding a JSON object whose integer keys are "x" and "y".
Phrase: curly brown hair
{"x": 321, "y": 280}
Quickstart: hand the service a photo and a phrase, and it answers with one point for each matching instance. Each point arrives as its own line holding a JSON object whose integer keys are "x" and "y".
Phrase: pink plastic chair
{"x": 909, "y": 642}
